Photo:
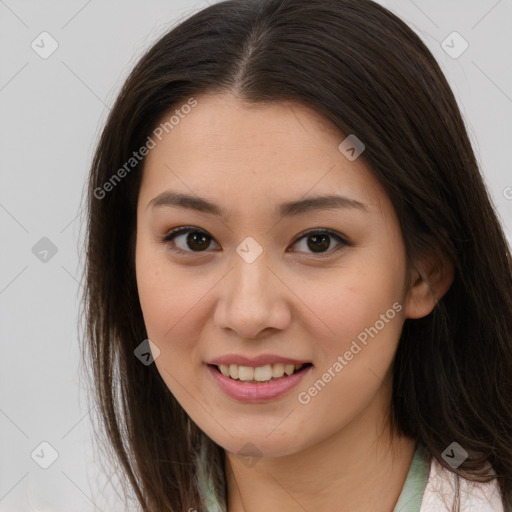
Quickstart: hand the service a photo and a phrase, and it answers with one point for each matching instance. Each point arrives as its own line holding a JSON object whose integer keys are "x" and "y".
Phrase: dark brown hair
{"x": 366, "y": 71}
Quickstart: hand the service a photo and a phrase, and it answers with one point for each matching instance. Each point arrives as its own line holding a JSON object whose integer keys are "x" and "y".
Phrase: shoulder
{"x": 441, "y": 489}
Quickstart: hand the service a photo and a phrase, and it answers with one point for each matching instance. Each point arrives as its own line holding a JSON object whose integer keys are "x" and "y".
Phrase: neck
{"x": 359, "y": 468}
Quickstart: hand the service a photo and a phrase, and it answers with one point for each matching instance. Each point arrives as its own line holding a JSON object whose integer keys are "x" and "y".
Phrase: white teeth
{"x": 233, "y": 370}
{"x": 245, "y": 373}
{"x": 263, "y": 373}
{"x": 259, "y": 373}
{"x": 289, "y": 368}
{"x": 277, "y": 370}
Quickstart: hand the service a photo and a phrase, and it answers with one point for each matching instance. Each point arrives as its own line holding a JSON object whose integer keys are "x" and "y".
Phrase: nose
{"x": 252, "y": 299}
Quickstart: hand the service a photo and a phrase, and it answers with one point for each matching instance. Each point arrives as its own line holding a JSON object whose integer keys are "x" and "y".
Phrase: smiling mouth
{"x": 260, "y": 374}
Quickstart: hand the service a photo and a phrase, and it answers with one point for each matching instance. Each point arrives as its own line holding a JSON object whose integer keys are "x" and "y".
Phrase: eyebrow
{"x": 288, "y": 209}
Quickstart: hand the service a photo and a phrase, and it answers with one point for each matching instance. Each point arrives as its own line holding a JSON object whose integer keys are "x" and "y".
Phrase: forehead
{"x": 278, "y": 150}
{"x": 224, "y": 122}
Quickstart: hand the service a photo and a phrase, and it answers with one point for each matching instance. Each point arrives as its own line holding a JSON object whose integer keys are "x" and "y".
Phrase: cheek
{"x": 362, "y": 317}
{"x": 356, "y": 297}
{"x": 152, "y": 286}
{"x": 353, "y": 301}
{"x": 168, "y": 296}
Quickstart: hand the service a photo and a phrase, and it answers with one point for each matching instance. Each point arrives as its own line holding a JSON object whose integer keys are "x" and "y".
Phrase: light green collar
{"x": 408, "y": 501}
{"x": 415, "y": 483}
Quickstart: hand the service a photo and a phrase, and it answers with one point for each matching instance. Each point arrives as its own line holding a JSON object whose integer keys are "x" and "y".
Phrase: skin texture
{"x": 333, "y": 453}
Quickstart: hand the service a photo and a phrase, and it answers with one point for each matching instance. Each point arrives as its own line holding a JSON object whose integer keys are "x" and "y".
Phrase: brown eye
{"x": 319, "y": 241}
{"x": 197, "y": 241}
{"x": 194, "y": 239}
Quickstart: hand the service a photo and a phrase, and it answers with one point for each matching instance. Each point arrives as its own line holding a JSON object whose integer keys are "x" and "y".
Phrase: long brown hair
{"x": 366, "y": 71}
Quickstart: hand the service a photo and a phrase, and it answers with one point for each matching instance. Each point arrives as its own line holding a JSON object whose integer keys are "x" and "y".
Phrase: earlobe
{"x": 430, "y": 280}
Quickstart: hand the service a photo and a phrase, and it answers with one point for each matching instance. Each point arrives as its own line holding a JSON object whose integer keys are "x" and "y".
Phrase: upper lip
{"x": 261, "y": 360}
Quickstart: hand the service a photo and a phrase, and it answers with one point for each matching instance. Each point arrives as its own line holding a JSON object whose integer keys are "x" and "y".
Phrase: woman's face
{"x": 248, "y": 287}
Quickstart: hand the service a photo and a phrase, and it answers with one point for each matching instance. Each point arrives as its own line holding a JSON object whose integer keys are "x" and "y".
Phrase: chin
{"x": 259, "y": 446}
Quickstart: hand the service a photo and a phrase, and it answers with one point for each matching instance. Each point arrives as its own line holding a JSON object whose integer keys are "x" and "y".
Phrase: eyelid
{"x": 342, "y": 240}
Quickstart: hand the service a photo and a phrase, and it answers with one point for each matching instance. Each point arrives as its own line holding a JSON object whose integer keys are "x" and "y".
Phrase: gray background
{"x": 51, "y": 113}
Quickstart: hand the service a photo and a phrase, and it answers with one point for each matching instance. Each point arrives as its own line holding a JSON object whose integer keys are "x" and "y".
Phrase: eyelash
{"x": 169, "y": 237}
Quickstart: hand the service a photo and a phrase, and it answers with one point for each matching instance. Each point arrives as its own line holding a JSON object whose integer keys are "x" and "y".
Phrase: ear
{"x": 430, "y": 279}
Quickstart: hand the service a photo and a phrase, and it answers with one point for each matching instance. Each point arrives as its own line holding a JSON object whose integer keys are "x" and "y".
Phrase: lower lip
{"x": 257, "y": 392}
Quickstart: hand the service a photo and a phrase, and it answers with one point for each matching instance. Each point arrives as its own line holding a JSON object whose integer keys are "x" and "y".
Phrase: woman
{"x": 298, "y": 294}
